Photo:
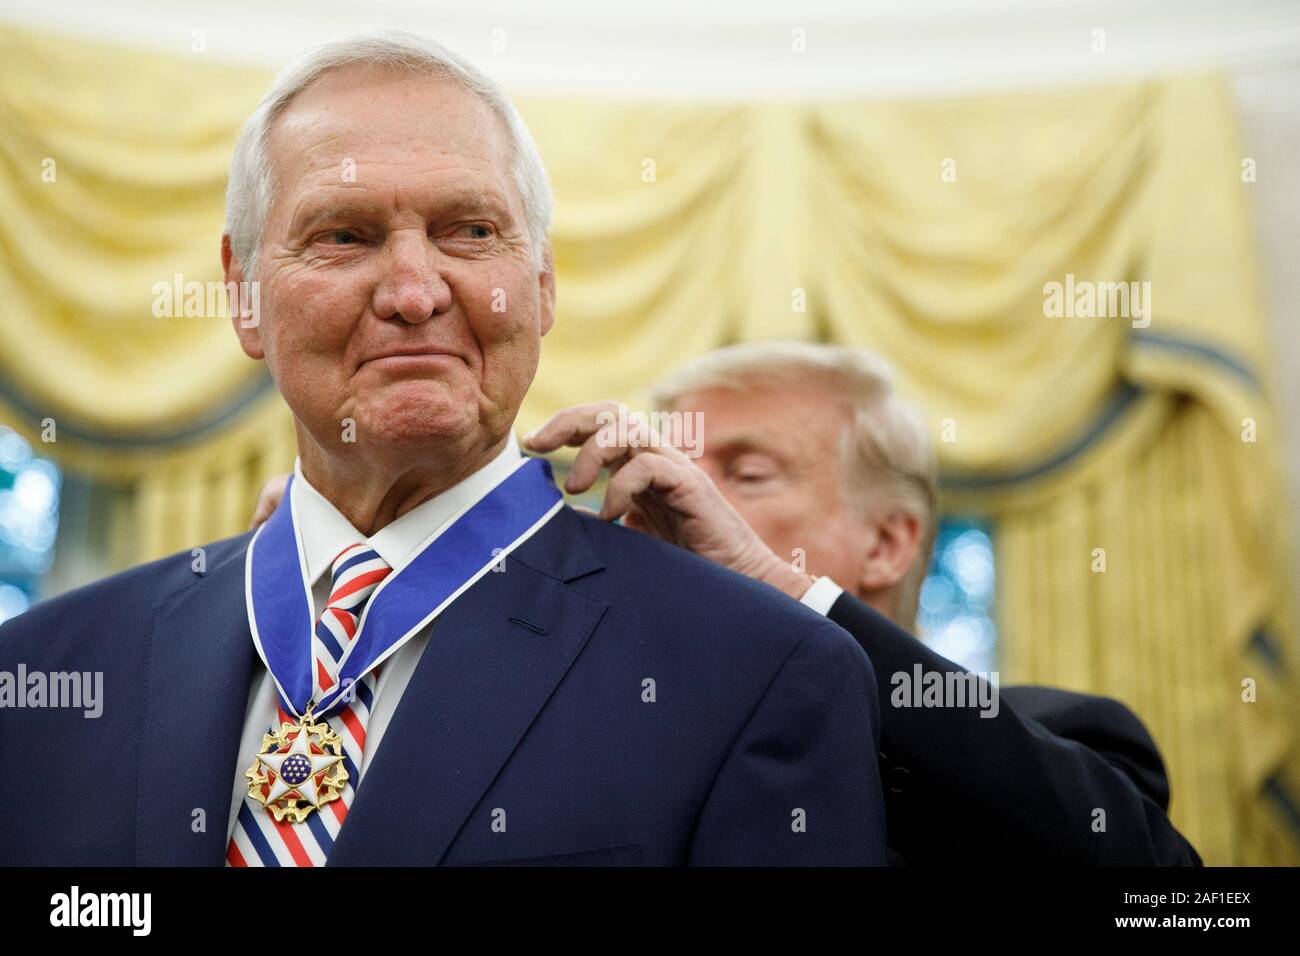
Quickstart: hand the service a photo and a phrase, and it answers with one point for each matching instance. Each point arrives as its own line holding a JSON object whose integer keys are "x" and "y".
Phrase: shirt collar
{"x": 324, "y": 532}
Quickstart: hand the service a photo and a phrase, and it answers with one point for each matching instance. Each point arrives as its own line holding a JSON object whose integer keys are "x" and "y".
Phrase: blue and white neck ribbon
{"x": 279, "y": 598}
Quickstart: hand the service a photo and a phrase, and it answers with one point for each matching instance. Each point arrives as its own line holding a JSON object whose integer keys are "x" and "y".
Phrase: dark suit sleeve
{"x": 1104, "y": 726}
{"x": 795, "y": 789}
{"x": 956, "y": 781}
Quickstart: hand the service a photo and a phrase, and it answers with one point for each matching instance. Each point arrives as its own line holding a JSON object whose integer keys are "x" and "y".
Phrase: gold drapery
{"x": 925, "y": 230}
{"x": 1131, "y": 465}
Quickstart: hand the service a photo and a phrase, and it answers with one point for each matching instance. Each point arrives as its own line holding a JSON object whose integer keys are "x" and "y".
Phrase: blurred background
{"x": 901, "y": 176}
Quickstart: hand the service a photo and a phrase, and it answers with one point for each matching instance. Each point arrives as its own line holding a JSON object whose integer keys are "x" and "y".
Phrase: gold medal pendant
{"x": 299, "y": 769}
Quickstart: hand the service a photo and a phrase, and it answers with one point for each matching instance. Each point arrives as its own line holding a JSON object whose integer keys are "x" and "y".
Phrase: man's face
{"x": 399, "y": 284}
{"x": 775, "y": 453}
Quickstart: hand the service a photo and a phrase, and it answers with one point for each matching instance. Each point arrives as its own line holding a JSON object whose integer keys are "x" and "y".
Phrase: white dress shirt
{"x": 324, "y": 532}
{"x": 823, "y": 593}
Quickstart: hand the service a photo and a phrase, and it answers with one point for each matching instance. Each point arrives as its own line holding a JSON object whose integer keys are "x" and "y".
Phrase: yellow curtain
{"x": 1131, "y": 464}
{"x": 1155, "y": 585}
{"x": 114, "y": 167}
{"x": 1130, "y": 467}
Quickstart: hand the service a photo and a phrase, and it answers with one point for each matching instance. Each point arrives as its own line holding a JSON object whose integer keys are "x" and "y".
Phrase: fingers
{"x": 607, "y": 449}
{"x": 607, "y": 436}
{"x": 268, "y": 499}
{"x": 571, "y": 427}
{"x": 641, "y": 474}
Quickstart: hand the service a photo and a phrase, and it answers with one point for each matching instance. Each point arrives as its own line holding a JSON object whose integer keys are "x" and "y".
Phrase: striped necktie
{"x": 258, "y": 839}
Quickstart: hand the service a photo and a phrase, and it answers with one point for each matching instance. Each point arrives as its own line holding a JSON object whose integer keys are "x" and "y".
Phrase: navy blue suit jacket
{"x": 528, "y": 707}
{"x": 1023, "y": 786}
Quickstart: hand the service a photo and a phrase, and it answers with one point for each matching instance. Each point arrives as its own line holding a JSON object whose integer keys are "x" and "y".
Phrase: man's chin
{"x": 426, "y": 419}
{"x": 418, "y": 431}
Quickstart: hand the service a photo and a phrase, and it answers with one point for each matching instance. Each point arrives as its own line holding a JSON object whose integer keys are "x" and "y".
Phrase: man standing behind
{"x": 423, "y": 657}
{"x": 806, "y": 450}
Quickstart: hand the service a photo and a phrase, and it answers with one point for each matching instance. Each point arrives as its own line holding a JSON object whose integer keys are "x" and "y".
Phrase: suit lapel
{"x": 200, "y": 670}
{"x": 494, "y": 658}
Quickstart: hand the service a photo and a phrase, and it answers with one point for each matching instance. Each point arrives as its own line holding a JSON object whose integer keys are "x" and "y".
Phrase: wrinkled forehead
{"x": 370, "y": 114}
{"x": 802, "y": 416}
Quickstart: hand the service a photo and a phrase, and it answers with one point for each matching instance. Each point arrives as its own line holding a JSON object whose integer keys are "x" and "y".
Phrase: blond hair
{"x": 886, "y": 451}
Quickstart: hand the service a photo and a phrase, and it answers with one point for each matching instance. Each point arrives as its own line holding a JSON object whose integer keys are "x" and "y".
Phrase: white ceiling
{"x": 735, "y": 49}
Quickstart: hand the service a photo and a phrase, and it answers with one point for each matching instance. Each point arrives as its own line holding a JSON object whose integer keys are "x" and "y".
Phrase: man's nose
{"x": 412, "y": 287}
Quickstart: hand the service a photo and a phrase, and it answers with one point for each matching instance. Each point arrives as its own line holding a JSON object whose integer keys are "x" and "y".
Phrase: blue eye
{"x": 343, "y": 237}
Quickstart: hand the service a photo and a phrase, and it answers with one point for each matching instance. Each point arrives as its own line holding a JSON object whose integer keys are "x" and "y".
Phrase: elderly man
{"x": 423, "y": 657}
{"x": 809, "y": 458}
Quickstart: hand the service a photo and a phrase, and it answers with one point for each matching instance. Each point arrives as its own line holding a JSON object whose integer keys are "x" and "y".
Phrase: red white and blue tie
{"x": 258, "y": 840}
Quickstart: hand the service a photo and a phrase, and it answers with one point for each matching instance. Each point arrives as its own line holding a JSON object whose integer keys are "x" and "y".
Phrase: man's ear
{"x": 246, "y": 325}
{"x": 893, "y": 546}
{"x": 546, "y": 283}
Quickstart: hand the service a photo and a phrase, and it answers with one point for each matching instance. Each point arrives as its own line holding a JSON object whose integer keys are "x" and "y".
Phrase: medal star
{"x": 302, "y": 769}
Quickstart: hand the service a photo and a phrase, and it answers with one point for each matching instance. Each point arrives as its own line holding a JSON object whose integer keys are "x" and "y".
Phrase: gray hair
{"x": 251, "y": 188}
{"x": 886, "y": 452}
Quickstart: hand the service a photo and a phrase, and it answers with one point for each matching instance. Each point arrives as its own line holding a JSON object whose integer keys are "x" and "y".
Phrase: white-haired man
{"x": 516, "y": 682}
{"x": 809, "y": 459}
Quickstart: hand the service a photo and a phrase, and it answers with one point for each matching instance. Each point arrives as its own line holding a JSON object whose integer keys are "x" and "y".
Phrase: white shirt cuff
{"x": 823, "y": 593}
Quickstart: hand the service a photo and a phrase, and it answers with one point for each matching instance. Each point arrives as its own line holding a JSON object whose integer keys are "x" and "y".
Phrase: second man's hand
{"x": 657, "y": 489}
{"x": 653, "y": 487}
{"x": 268, "y": 499}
